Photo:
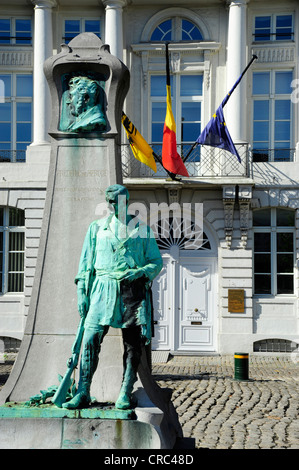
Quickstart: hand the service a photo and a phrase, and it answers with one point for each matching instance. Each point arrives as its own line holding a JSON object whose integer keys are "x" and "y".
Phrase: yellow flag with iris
{"x": 140, "y": 148}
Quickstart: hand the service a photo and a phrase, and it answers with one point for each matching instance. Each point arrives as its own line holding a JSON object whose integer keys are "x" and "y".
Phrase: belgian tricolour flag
{"x": 171, "y": 160}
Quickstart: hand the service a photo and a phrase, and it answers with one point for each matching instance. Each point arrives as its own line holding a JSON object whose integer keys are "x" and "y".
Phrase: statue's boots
{"x": 80, "y": 400}
{"x": 125, "y": 400}
{"x": 89, "y": 361}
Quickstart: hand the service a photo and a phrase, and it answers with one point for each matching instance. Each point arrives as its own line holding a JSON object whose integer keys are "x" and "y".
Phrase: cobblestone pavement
{"x": 222, "y": 413}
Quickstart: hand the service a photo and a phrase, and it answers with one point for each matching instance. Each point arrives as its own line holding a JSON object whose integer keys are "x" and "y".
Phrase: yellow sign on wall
{"x": 236, "y": 302}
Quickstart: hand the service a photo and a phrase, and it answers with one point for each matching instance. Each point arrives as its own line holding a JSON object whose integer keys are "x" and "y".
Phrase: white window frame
{"x": 177, "y": 101}
{"x": 177, "y": 27}
{"x": 273, "y": 30}
{"x": 14, "y": 100}
{"x": 272, "y": 98}
{"x": 82, "y": 21}
{"x": 6, "y": 229}
{"x": 13, "y": 39}
{"x": 273, "y": 229}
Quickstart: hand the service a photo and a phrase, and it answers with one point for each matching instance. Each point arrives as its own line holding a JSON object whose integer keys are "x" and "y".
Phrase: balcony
{"x": 203, "y": 162}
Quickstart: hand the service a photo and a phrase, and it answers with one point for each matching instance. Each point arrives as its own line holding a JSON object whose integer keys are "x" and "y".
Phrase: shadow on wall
{"x": 275, "y": 174}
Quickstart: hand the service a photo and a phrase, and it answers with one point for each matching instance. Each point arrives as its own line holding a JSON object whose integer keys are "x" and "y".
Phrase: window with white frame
{"x": 75, "y": 26}
{"x": 16, "y": 31}
{"x": 274, "y": 27}
{"x": 187, "y": 99}
{"x": 12, "y": 249}
{"x": 176, "y": 29}
{"x": 274, "y": 251}
{"x": 15, "y": 116}
{"x": 272, "y": 115}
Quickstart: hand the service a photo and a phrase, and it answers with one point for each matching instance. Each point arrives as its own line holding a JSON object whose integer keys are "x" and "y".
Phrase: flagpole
{"x": 254, "y": 57}
{"x": 172, "y": 175}
{"x": 167, "y": 66}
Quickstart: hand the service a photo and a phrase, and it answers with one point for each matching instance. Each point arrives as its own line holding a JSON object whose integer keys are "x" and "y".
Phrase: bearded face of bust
{"x": 83, "y": 94}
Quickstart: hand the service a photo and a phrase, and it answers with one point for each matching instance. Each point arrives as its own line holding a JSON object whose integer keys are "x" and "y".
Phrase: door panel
{"x": 195, "y": 307}
{"x": 162, "y": 308}
{"x": 195, "y": 293}
{"x": 185, "y": 304}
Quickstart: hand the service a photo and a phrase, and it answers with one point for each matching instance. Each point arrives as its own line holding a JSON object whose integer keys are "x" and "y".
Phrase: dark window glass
{"x": 285, "y": 284}
{"x": 285, "y": 263}
{"x": 92, "y": 26}
{"x": 262, "y": 284}
{"x": 285, "y": 218}
{"x": 262, "y": 242}
{"x": 190, "y": 31}
{"x": 23, "y": 31}
{"x": 284, "y": 28}
{"x": 16, "y": 217}
{"x": 262, "y": 28}
{"x": 262, "y": 218}
{"x": 262, "y": 263}
{"x": 4, "y": 31}
{"x": 285, "y": 242}
{"x": 163, "y": 31}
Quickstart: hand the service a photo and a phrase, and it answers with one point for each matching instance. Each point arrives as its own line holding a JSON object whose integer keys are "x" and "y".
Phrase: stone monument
{"x": 88, "y": 87}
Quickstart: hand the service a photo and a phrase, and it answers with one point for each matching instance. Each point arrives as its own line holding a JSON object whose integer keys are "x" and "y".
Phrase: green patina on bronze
{"x": 82, "y": 104}
{"x": 119, "y": 260}
{"x": 48, "y": 410}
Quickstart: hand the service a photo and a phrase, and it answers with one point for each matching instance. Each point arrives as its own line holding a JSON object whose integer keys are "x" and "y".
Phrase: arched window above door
{"x": 176, "y": 232}
{"x": 176, "y": 29}
{"x": 176, "y": 25}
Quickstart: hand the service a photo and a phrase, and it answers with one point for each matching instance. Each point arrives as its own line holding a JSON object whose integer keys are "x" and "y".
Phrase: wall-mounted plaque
{"x": 236, "y": 301}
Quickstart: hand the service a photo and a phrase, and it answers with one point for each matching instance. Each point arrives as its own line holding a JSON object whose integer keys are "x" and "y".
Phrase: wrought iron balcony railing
{"x": 203, "y": 161}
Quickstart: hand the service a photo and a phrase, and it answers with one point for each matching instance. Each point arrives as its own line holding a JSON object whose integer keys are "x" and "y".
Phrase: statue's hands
{"x": 83, "y": 303}
{"x": 133, "y": 274}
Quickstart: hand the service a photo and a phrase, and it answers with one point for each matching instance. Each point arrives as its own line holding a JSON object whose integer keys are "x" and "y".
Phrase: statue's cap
{"x": 112, "y": 192}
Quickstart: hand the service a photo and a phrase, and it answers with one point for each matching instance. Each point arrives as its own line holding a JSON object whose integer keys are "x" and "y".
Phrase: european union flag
{"x": 216, "y": 134}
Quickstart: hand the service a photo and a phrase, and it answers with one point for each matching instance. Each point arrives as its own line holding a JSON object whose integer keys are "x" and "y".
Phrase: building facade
{"x": 237, "y": 289}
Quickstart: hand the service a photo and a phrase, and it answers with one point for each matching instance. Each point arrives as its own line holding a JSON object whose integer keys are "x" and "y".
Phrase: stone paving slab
{"x": 220, "y": 412}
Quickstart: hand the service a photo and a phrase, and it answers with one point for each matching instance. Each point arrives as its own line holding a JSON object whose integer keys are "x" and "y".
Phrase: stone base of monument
{"x": 149, "y": 425}
{"x": 77, "y": 433}
{"x": 97, "y": 427}
{"x": 101, "y": 426}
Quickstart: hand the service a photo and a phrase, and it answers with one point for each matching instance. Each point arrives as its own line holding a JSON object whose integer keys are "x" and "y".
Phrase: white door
{"x": 163, "y": 302}
{"x": 184, "y": 296}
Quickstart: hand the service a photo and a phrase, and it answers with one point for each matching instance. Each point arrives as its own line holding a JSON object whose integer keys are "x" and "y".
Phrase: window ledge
{"x": 11, "y": 296}
{"x": 185, "y": 46}
{"x": 274, "y": 41}
{"x": 280, "y": 298}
